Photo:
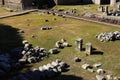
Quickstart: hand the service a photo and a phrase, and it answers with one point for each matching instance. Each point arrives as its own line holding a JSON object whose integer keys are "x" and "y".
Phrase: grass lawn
{"x": 4, "y": 12}
{"x": 70, "y": 29}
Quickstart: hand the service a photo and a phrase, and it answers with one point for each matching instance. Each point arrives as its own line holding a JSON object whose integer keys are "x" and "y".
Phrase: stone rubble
{"x": 100, "y": 77}
{"x": 53, "y": 51}
{"x": 100, "y": 71}
{"x": 44, "y": 72}
{"x": 62, "y": 43}
{"x": 96, "y": 65}
{"x": 110, "y": 36}
{"x": 109, "y": 77}
{"x": 32, "y": 55}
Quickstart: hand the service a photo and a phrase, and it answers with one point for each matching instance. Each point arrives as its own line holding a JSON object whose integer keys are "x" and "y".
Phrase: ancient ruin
{"x": 24, "y": 4}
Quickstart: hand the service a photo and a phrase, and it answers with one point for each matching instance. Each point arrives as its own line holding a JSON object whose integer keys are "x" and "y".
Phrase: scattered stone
{"x": 90, "y": 70}
{"x": 96, "y": 65}
{"x": 76, "y": 59}
{"x": 23, "y": 61}
{"x": 21, "y": 31}
{"x": 24, "y": 42}
{"x": 99, "y": 77}
{"x": 58, "y": 44}
{"x": 63, "y": 40}
{"x": 53, "y": 51}
{"x": 109, "y": 77}
{"x": 65, "y": 44}
{"x": 100, "y": 71}
{"x": 32, "y": 60}
{"x": 86, "y": 66}
{"x": 116, "y": 78}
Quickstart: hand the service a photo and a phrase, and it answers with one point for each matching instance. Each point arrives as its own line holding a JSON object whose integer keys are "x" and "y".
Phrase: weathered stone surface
{"x": 96, "y": 65}
{"x": 109, "y": 77}
{"x": 53, "y": 51}
{"x": 88, "y": 49}
{"x": 90, "y": 70}
{"x": 24, "y": 42}
{"x": 85, "y": 66}
{"x": 65, "y": 44}
{"x": 100, "y": 71}
{"x": 79, "y": 43}
{"x": 116, "y": 78}
{"x": 111, "y": 36}
{"x": 99, "y": 77}
{"x": 58, "y": 44}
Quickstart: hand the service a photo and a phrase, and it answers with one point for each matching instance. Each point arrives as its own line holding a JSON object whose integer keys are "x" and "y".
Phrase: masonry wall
{"x": 13, "y": 3}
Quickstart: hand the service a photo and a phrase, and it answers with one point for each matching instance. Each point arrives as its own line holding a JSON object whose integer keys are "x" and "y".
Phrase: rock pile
{"x": 32, "y": 55}
{"x": 62, "y": 43}
{"x": 111, "y": 36}
{"x": 44, "y": 72}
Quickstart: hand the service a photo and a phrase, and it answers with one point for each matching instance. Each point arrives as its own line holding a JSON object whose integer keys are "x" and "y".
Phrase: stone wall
{"x": 13, "y": 3}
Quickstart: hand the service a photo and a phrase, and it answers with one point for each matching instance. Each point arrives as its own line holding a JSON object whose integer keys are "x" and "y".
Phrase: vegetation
{"x": 70, "y": 29}
{"x": 81, "y": 9}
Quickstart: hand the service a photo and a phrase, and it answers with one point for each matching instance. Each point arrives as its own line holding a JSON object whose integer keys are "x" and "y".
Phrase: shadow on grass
{"x": 95, "y": 52}
{"x": 9, "y": 38}
{"x": 67, "y": 77}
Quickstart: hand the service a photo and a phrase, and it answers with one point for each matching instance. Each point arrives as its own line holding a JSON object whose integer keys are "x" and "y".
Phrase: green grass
{"x": 70, "y": 29}
{"x": 4, "y": 12}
